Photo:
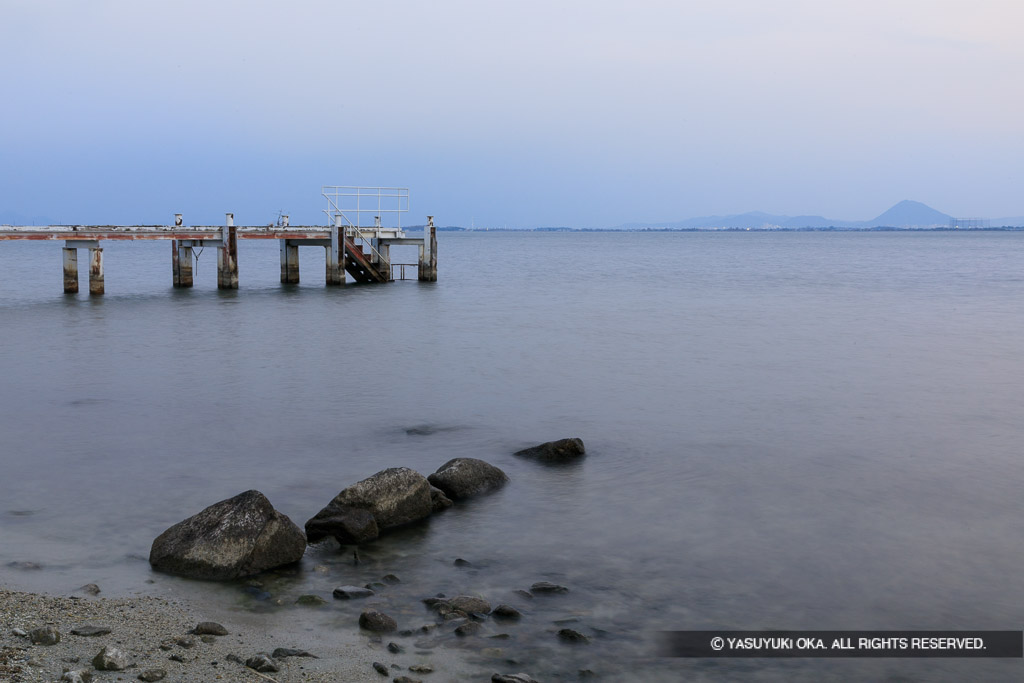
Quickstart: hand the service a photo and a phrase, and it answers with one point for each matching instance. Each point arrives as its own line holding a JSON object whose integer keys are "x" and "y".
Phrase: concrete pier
{"x": 70, "y": 270}
{"x": 95, "y": 270}
{"x": 227, "y": 256}
{"x": 289, "y": 262}
{"x": 361, "y": 253}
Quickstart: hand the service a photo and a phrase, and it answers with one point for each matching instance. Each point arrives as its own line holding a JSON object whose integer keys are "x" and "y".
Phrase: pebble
{"x": 76, "y": 677}
{"x": 262, "y": 663}
{"x": 381, "y": 669}
{"x": 178, "y": 658}
{"x": 469, "y": 603}
{"x": 506, "y": 612}
{"x": 282, "y": 652}
{"x": 395, "y": 648}
{"x": 20, "y": 633}
{"x": 88, "y": 630}
{"x": 110, "y": 659}
{"x": 209, "y": 628}
{"x": 90, "y": 588}
{"x": 421, "y": 669}
{"x": 44, "y": 635}
{"x": 310, "y": 601}
{"x": 152, "y": 675}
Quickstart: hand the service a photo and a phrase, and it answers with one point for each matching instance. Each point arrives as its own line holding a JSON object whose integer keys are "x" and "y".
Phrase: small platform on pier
{"x": 364, "y": 253}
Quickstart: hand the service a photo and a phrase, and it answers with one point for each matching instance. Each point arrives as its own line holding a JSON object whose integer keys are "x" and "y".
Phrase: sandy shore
{"x": 154, "y": 633}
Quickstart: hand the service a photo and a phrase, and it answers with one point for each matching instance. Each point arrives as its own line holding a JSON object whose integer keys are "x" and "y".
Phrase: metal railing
{"x": 402, "y": 271}
{"x": 351, "y": 201}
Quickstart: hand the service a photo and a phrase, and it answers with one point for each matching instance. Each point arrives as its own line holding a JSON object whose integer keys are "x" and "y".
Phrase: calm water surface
{"x": 784, "y": 431}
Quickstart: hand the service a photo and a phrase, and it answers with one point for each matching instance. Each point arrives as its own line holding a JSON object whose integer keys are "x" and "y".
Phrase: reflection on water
{"x": 789, "y": 431}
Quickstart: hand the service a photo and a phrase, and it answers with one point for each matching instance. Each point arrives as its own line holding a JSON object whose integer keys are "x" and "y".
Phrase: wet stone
{"x": 506, "y": 612}
{"x": 547, "y": 587}
{"x": 468, "y": 629}
{"x": 421, "y": 669}
{"x": 459, "y": 562}
{"x": 570, "y": 636}
{"x": 152, "y": 675}
{"x": 469, "y": 603}
{"x": 282, "y": 652}
{"x": 381, "y": 669}
{"x": 395, "y": 648}
{"x": 512, "y": 678}
{"x": 351, "y": 592}
{"x": 310, "y": 601}
{"x": 90, "y": 588}
{"x": 391, "y": 579}
{"x": 372, "y": 620}
{"x": 110, "y": 659}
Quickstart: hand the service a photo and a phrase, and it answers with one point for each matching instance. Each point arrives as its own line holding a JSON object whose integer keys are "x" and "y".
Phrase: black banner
{"x": 841, "y": 644}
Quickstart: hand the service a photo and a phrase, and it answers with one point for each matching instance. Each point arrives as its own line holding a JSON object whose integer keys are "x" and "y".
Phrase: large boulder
{"x": 236, "y": 537}
{"x": 562, "y": 450}
{"x": 465, "y": 477}
{"x": 393, "y": 497}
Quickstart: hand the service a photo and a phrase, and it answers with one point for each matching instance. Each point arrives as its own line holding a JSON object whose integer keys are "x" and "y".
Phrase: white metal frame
{"x": 346, "y": 200}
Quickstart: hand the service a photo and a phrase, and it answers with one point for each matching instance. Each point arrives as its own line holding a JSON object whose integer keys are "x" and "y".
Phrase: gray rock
{"x": 512, "y": 678}
{"x": 88, "y": 630}
{"x": 421, "y": 669}
{"x": 209, "y": 628}
{"x": 438, "y": 501}
{"x": 381, "y": 669}
{"x": 77, "y": 676}
{"x": 569, "y": 635}
{"x": 563, "y": 450}
{"x": 44, "y": 635}
{"x": 152, "y": 675}
{"x": 459, "y": 562}
{"x": 110, "y": 659}
{"x": 345, "y": 523}
{"x": 283, "y": 652}
{"x": 262, "y": 663}
{"x": 176, "y": 658}
{"x": 546, "y": 587}
{"x": 465, "y": 477}
{"x": 394, "y": 497}
{"x": 506, "y": 612}
{"x": 21, "y": 633}
{"x": 395, "y": 648}
{"x": 468, "y": 629}
{"x": 390, "y": 579}
{"x": 236, "y": 537}
{"x": 469, "y": 603}
{"x": 524, "y": 594}
{"x": 310, "y": 601}
{"x": 372, "y": 620}
{"x": 90, "y": 588}
{"x": 351, "y": 592}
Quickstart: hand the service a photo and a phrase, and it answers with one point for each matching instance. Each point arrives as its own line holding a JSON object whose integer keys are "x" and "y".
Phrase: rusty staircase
{"x": 365, "y": 267}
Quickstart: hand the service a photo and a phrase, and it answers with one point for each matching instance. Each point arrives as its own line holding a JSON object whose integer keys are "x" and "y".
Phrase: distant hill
{"x": 910, "y": 214}
{"x": 905, "y": 214}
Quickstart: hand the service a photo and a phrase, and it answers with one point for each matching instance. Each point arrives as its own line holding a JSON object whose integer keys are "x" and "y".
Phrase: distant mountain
{"x": 905, "y": 214}
{"x": 910, "y": 214}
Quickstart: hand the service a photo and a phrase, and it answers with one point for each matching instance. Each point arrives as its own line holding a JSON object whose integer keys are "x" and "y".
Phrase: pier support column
{"x": 336, "y": 255}
{"x": 428, "y": 253}
{"x": 95, "y": 270}
{"x": 181, "y": 264}
{"x": 227, "y": 256}
{"x": 70, "y": 270}
{"x": 289, "y": 263}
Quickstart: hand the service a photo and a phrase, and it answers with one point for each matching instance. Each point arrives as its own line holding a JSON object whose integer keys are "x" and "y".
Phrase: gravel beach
{"x": 157, "y": 634}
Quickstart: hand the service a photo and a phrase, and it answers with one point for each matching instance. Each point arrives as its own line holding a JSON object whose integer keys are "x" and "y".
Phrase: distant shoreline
{"x": 1007, "y": 228}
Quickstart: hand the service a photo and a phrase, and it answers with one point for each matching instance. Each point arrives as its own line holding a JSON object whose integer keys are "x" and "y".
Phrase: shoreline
{"x": 155, "y": 634}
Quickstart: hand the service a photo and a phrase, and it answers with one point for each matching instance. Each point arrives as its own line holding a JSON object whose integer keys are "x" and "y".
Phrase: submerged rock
{"x": 262, "y": 663}
{"x": 571, "y": 636}
{"x": 465, "y": 477}
{"x": 469, "y": 603}
{"x": 237, "y": 537}
{"x": 438, "y": 501}
{"x": 351, "y": 592}
{"x": 563, "y": 450}
{"x": 547, "y": 587}
{"x": 392, "y": 497}
{"x": 372, "y": 620}
{"x": 506, "y": 612}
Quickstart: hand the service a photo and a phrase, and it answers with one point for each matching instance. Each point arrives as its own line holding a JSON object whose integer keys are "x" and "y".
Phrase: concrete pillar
{"x": 336, "y": 254}
{"x": 95, "y": 270}
{"x": 289, "y": 263}
{"x": 385, "y": 253}
{"x": 70, "y": 270}
{"x": 181, "y": 264}
{"x": 227, "y": 256}
{"x": 428, "y": 253}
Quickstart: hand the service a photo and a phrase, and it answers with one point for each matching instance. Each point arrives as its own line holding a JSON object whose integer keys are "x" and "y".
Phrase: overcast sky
{"x": 510, "y": 113}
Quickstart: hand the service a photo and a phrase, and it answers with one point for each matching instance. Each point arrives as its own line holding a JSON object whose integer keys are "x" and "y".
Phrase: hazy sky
{"x": 521, "y": 113}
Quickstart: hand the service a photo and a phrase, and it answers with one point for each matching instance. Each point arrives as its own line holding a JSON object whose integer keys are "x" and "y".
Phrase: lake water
{"x": 784, "y": 431}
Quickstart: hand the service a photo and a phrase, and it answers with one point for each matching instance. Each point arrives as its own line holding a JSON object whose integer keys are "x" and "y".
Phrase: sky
{"x": 517, "y": 114}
